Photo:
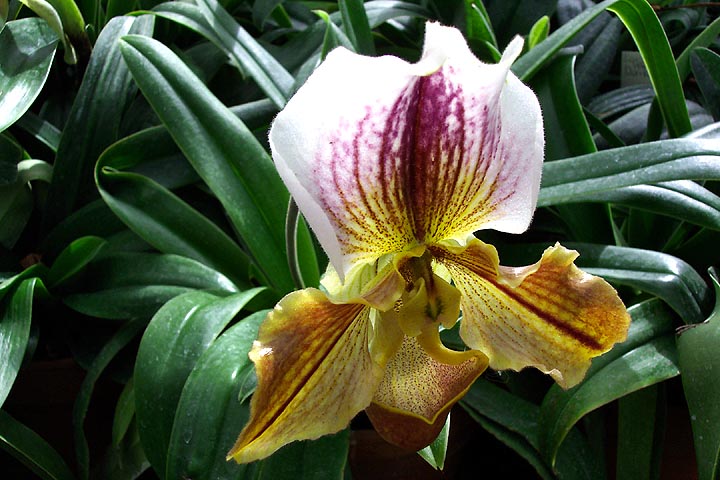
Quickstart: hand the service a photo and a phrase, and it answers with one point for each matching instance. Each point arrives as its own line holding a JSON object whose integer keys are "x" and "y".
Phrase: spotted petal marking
{"x": 382, "y": 155}
{"x": 415, "y": 396}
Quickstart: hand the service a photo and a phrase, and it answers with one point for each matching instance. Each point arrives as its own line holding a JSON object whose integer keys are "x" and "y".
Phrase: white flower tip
{"x": 441, "y": 42}
{"x": 512, "y": 51}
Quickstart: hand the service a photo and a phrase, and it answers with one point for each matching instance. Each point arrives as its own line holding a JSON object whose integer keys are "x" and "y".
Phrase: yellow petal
{"x": 378, "y": 285}
{"x": 315, "y": 372}
{"x": 417, "y": 392}
{"x": 550, "y": 315}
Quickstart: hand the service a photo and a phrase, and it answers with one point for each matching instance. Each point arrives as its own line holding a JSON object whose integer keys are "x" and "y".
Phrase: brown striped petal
{"x": 382, "y": 155}
{"x": 417, "y": 392}
{"x": 315, "y": 372}
{"x": 550, "y": 315}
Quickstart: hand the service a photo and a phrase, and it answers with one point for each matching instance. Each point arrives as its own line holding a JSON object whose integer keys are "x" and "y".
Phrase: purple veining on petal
{"x": 359, "y": 181}
{"x": 432, "y": 165}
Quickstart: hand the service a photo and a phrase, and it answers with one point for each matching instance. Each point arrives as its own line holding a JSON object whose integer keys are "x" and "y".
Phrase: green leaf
{"x": 73, "y": 25}
{"x": 27, "y": 49}
{"x": 566, "y": 129}
{"x": 703, "y": 39}
{"x": 515, "y": 441}
{"x": 324, "y": 458}
{"x": 618, "y": 101}
{"x": 210, "y": 20}
{"x": 125, "y": 285}
{"x": 11, "y": 153}
{"x": 262, "y": 9}
{"x": 647, "y": 31}
{"x": 201, "y": 436}
{"x": 601, "y": 41}
{"x": 645, "y": 28}
{"x": 116, "y": 8}
{"x": 221, "y": 149}
{"x": 516, "y": 17}
{"x": 434, "y": 454}
{"x": 250, "y": 56}
{"x": 124, "y": 413}
{"x": 164, "y": 220}
{"x": 478, "y": 29}
{"x": 681, "y": 199}
{"x": 151, "y": 153}
{"x": 538, "y": 32}
{"x": 15, "y": 318}
{"x": 334, "y": 37}
{"x": 125, "y": 461}
{"x": 48, "y": 13}
{"x": 94, "y": 219}
{"x": 4, "y": 8}
{"x": 647, "y": 357}
{"x": 706, "y": 68}
{"x": 73, "y": 259}
{"x": 699, "y": 362}
{"x": 31, "y": 170}
{"x": 177, "y": 336}
{"x": 356, "y": 26}
{"x": 28, "y": 447}
{"x": 118, "y": 341}
{"x": 379, "y": 12}
{"x": 514, "y": 421}
{"x": 16, "y": 203}
{"x": 640, "y": 421}
{"x": 94, "y": 121}
{"x": 571, "y": 179}
{"x": 8, "y": 284}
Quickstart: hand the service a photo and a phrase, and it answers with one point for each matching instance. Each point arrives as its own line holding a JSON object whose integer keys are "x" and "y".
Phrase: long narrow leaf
{"x": 357, "y": 26}
{"x": 27, "y": 49}
{"x": 168, "y": 223}
{"x": 649, "y": 35}
{"x": 201, "y": 437}
{"x": 647, "y": 357}
{"x": 681, "y": 199}
{"x": 126, "y": 285}
{"x": 708, "y": 35}
{"x": 210, "y": 20}
{"x": 697, "y": 349}
{"x": 242, "y": 46}
{"x": 176, "y": 337}
{"x": 640, "y": 19}
{"x": 221, "y": 149}
{"x": 661, "y": 274}
{"x": 82, "y": 402}
{"x": 574, "y": 178}
{"x": 94, "y": 120}
{"x": 28, "y": 447}
{"x": 640, "y": 421}
{"x": 72, "y": 260}
{"x": 563, "y": 117}
{"x": 15, "y": 317}
{"x": 514, "y": 421}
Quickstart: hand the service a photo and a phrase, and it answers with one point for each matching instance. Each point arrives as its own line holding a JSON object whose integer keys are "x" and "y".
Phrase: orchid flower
{"x": 395, "y": 166}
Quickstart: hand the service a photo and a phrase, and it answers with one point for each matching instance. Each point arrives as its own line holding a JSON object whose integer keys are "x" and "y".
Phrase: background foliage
{"x": 144, "y": 231}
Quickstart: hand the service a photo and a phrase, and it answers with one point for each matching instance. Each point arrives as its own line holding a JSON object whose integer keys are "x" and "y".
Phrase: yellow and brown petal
{"x": 315, "y": 372}
{"x": 550, "y": 315}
